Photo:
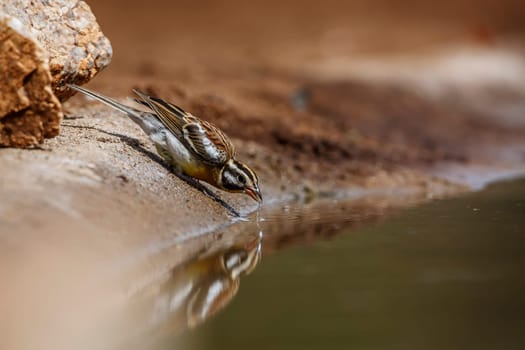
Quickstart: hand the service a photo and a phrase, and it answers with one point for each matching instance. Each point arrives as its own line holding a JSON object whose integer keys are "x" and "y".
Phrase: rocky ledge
{"x": 43, "y": 46}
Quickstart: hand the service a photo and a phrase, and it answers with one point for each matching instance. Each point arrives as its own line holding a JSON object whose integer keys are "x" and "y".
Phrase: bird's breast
{"x": 176, "y": 153}
{"x": 201, "y": 171}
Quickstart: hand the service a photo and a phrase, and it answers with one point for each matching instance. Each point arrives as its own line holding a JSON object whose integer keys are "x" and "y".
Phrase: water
{"x": 446, "y": 275}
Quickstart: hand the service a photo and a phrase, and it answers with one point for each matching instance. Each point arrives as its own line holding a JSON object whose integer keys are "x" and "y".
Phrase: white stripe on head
{"x": 229, "y": 177}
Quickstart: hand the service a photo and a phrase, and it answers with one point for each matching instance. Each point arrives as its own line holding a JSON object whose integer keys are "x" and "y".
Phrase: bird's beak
{"x": 254, "y": 192}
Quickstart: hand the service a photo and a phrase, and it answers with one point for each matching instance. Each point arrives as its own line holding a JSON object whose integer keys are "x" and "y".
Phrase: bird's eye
{"x": 241, "y": 179}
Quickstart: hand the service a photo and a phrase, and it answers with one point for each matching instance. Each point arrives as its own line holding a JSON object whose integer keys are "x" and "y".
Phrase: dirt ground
{"x": 321, "y": 98}
{"x": 286, "y": 75}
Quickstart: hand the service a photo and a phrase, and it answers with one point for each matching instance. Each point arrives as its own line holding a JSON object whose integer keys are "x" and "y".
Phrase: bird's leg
{"x": 196, "y": 184}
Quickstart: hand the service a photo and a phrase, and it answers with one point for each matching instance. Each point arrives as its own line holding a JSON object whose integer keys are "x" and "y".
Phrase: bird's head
{"x": 238, "y": 177}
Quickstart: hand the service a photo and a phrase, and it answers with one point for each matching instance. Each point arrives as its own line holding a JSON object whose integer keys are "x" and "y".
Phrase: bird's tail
{"x": 133, "y": 113}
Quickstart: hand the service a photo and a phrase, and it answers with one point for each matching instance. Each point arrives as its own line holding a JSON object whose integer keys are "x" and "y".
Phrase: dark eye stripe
{"x": 247, "y": 171}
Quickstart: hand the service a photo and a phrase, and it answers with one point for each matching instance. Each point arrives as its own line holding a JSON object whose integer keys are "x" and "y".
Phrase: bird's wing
{"x": 205, "y": 140}
{"x": 173, "y": 117}
{"x": 208, "y": 142}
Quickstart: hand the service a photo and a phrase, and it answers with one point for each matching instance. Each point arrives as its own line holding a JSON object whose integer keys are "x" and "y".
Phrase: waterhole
{"x": 354, "y": 275}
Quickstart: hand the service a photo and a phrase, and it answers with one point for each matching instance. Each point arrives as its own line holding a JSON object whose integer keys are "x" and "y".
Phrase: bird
{"x": 192, "y": 146}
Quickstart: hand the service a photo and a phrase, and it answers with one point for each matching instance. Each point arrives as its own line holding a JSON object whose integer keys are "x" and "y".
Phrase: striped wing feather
{"x": 205, "y": 140}
{"x": 205, "y": 144}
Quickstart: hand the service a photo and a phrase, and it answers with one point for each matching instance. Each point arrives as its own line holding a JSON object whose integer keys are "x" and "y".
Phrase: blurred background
{"x": 159, "y": 36}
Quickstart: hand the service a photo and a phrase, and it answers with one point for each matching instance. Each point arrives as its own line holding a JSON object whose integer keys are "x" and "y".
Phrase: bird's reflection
{"x": 201, "y": 287}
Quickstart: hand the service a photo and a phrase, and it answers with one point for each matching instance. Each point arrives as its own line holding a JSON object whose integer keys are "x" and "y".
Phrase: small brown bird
{"x": 193, "y": 146}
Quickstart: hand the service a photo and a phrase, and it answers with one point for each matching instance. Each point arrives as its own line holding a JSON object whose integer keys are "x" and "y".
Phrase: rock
{"x": 29, "y": 111}
{"x": 67, "y": 30}
{"x": 43, "y": 46}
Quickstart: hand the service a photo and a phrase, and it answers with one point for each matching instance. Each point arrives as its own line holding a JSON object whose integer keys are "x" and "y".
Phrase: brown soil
{"x": 255, "y": 73}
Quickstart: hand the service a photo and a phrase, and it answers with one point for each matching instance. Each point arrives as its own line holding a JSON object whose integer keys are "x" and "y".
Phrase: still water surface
{"x": 446, "y": 275}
